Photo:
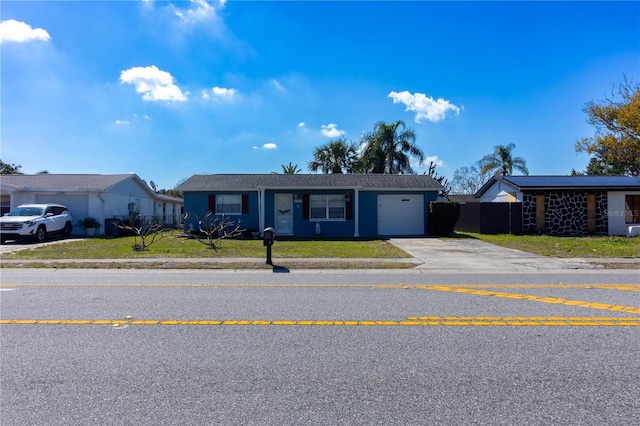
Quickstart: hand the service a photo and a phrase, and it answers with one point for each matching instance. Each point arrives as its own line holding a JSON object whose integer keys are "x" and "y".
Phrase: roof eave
{"x": 579, "y": 188}
{"x": 308, "y": 187}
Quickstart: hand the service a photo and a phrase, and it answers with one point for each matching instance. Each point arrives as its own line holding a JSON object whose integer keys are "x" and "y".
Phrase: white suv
{"x": 36, "y": 220}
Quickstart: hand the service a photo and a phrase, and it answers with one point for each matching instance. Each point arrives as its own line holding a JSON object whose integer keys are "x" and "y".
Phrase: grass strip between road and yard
{"x": 187, "y": 248}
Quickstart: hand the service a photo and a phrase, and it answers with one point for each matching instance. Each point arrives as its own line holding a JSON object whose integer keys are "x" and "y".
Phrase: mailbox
{"x": 268, "y": 236}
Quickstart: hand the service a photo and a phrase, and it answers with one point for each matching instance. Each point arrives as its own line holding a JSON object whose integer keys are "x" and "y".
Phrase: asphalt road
{"x": 109, "y": 347}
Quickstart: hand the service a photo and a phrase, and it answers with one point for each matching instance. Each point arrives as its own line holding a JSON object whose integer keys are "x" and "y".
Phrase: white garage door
{"x": 78, "y": 205}
{"x": 401, "y": 214}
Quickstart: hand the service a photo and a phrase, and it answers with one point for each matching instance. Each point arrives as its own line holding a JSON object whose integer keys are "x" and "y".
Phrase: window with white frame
{"x": 229, "y": 204}
{"x": 326, "y": 207}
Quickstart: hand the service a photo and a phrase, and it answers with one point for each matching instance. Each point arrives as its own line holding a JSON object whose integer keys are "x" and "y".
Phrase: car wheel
{"x": 66, "y": 232}
{"x": 41, "y": 234}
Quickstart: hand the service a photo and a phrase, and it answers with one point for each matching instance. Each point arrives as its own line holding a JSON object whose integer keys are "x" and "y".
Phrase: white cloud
{"x": 221, "y": 93}
{"x": 269, "y": 145}
{"x": 122, "y": 122}
{"x": 425, "y": 107}
{"x": 302, "y": 125}
{"x": 198, "y": 11}
{"x": 331, "y": 131}
{"x": 19, "y": 32}
{"x": 279, "y": 87}
{"x": 154, "y": 84}
{"x": 433, "y": 159}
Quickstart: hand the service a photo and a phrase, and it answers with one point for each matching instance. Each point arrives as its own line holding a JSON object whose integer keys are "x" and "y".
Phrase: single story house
{"x": 570, "y": 205}
{"x": 310, "y": 205}
{"x": 107, "y": 198}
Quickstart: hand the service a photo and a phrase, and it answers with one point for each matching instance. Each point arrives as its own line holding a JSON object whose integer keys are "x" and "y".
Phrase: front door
{"x": 284, "y": 214}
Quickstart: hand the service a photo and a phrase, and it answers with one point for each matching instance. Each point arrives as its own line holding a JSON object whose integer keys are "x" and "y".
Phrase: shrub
{"x": 89, "y": 222}
{"x": 443, "y": 216}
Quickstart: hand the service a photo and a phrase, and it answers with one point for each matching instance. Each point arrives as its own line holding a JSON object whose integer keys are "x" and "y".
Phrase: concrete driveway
{"x": 27, "y": 244}
{"x": 475, "y": 255}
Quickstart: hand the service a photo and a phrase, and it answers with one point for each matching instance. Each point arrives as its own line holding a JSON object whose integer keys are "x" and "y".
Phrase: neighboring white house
{"x": 104, "y": 197}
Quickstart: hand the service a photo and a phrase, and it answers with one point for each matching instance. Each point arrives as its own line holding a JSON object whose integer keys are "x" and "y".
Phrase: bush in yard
{"x": 443, "y": 216}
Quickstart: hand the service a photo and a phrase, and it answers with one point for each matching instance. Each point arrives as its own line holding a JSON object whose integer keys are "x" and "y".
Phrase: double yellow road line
{"x": 412, "y": 321}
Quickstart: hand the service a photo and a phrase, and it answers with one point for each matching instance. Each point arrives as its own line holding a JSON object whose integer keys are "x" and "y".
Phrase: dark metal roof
{"x": 574, "y": 181}
{"x": 566, "y": 182}
{"x": 226, "y": 182}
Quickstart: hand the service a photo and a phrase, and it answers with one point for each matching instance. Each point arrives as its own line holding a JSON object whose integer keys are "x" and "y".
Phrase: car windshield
{"x": 27, "y": 211}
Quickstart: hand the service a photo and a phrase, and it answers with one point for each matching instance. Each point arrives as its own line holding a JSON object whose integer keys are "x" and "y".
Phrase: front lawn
{"x": 179, "y": 247}
{"x": 589, "y": 247}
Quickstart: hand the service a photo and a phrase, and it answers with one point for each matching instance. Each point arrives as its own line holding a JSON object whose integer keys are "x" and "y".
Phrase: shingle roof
{"x": 75, "y": 183}
{"x": 169, "y": 198}
{"x": 78, "y": 182}
{"x": 308, "y": 181}
{"x": 566, "y": 182}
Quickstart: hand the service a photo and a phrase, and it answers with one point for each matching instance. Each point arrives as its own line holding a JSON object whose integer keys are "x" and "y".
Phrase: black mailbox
{"x": 268, "y": 236}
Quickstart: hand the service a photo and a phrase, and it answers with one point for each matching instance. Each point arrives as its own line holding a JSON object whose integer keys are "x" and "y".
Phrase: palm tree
{"x": 388, "y": 148}
{"x": 337, "y": 156}
{"x": 290, "y": 169}
{"x": 501, "y": 162}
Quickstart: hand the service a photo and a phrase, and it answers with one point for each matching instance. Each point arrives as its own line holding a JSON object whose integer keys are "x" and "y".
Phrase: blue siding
{"x": 305, "y": 228}
{"x": 368, "y": 214}
{"x": 196, "y": 203}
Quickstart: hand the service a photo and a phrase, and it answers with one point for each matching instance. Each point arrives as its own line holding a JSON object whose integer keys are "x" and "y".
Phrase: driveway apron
{"x": 475, "y": 255}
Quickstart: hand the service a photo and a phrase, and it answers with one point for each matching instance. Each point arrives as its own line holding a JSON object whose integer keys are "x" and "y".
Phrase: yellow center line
{"x": 411, "y": 321}
{"x": 622, "y": 287}
{"x": 542, "y": 299}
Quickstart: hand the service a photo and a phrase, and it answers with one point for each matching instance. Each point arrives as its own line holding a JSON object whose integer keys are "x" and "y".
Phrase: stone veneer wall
{"x": 565, "y": 213}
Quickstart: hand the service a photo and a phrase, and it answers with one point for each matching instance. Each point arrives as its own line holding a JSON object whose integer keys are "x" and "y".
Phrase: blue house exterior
{"x": 315, "y": 205}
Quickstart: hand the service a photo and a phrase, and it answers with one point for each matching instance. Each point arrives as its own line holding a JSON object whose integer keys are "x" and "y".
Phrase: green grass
{"x": 178, "y": 247}
{"x": 564, "y": 247}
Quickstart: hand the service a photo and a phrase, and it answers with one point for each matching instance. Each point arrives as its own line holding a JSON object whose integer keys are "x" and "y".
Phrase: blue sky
{"x": 172, "y": 89}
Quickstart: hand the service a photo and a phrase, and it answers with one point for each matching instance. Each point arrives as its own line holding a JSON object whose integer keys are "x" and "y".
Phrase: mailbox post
{"x": 269, "y": 236}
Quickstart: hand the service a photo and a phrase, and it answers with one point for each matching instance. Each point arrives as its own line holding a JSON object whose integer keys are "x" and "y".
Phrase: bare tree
{"x": 149, "y": 230}
{"x": 468, "y": 179}
{"x": 214, "y": 228}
